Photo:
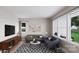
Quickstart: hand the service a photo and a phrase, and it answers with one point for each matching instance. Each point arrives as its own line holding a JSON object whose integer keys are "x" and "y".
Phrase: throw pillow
{"x": 53, "y": 38}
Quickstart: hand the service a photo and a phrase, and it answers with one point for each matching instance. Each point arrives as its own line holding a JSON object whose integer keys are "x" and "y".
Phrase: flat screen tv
{"x": 9, "y": 30}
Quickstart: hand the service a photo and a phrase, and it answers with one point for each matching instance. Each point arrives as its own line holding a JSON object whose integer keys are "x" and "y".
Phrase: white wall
{"x": 7, "y": 18}
{"x": 38, "y": 21}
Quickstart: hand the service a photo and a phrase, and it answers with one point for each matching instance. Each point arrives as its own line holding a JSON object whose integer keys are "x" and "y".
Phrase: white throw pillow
{"x": 49, "y": 38}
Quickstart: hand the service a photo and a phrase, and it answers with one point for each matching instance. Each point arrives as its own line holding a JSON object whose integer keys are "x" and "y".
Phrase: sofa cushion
{"x": 31, "y": 37}
{"x": 53, "y": 38}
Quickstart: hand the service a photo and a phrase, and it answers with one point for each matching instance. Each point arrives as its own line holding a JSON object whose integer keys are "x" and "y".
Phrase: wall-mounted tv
{"x": 9, "y": 30}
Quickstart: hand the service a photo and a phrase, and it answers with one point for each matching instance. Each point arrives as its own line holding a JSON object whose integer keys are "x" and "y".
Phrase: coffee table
{"x": 35, "y": 43}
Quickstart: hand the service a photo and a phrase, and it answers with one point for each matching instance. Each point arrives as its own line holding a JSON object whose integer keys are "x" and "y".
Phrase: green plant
{"x": 23, "y": 29}
{"x": 75, "y": 32}
{"x": 75, "y": 36}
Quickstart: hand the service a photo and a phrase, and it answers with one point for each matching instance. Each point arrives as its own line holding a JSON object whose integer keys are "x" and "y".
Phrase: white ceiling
{"x": 34, "y": 11}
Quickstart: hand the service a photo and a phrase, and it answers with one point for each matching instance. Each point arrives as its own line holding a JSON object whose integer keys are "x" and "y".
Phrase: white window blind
{"x": 55, "y": 26}
{"x": 60, "y": 26}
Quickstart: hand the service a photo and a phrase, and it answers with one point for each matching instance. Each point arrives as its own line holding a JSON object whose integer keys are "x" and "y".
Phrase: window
{"x": 54, "y": 28}
{"x": 23, "y": 24}
{"x": 60, "y": 26}
{"x": 67, "y": 26}
{"x": 75, "y": 27}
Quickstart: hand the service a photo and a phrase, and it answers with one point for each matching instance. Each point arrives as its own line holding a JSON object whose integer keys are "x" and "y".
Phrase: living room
{"x": 34, "y": 25}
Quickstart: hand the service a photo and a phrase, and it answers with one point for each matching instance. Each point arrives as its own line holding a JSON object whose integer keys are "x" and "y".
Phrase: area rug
{"x": 29, "y": 48}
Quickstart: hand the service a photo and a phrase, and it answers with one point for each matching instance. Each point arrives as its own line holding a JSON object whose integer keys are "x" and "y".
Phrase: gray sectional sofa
{"x": 31, "y": 37}
{"x": 53, "y": 42}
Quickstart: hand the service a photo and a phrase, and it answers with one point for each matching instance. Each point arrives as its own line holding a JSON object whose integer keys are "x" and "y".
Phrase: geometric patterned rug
{"x": 27, "y": 48}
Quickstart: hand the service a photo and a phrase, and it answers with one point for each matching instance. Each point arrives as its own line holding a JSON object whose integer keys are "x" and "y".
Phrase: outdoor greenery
{"x": 23, "y": 29}
{"x": 75, "y": 36}
{"x": 75, "y": 32}
{"x": 75, "y": 21}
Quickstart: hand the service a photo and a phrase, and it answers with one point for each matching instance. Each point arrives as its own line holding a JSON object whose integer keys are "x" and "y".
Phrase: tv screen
{"x": 9, "y": 30}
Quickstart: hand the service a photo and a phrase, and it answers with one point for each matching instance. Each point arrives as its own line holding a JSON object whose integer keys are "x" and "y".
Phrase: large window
{"x": 55, "y": 26}
{"x": 75, "y": 29}
{"x": 75, "y": 26}
{"x": 67, "y": 26}
{"x": 60, "y": 26}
